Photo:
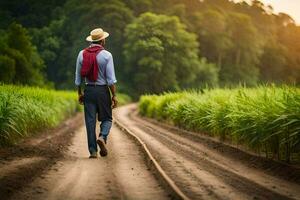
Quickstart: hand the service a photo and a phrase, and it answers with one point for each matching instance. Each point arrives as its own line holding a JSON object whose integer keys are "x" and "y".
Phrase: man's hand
{"x": 80, "y": 95}
{"x": 114, "y": 102}
{"x": 80, "y": 98}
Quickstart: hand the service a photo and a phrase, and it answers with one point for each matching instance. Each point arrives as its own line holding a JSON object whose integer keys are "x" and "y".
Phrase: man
{"x": 96, "y": 65}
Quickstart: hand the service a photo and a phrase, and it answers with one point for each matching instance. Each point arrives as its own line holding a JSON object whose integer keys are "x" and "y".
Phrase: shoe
{"x": 93, "y": 155}
{"x": 103, "y": 150}
{"x": 105, "y": 139}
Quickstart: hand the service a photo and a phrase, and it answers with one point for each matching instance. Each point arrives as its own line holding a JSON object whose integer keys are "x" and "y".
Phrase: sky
{"x": 290, "y": 7}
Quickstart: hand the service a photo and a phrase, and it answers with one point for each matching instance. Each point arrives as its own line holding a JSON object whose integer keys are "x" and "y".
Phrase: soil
{"x": 22, "y": 163}
{"x": 55, "y": 165}
{"x": 204, "y": 168}
{"x": 70, "y": 174}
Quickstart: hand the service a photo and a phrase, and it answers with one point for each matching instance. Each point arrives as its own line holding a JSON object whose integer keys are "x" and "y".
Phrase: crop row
{"x": 264, "y": 119}
{"x": 25, "y": 110}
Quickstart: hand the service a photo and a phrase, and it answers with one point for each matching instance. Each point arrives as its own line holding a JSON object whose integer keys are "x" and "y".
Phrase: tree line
{"x": 157, "y": 45}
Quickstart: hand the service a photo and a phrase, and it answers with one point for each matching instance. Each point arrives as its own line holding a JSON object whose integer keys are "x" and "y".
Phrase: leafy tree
{"x": 29, "y": 13}
{"x": 139, "y": 6}
{"x": 160, "y": 54}
{"x": 210, "y": 27}
{"x": 289, "y": 36}
{"x": 207, "y": 75}
{"x": 7, "y": 69}
{"x": 241, "y": 60}
{"x": 49, "y": 46}
{"x": 20, "y": 58}
{"x": 273, "y": 62}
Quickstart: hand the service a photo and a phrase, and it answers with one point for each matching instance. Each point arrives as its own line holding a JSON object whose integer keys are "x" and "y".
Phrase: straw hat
{"x": 97, "y": 35}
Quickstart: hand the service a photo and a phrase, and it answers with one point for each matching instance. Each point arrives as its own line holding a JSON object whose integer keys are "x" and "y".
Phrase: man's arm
{"x": 78, "y": 77}
{"x": 113, "y": 89}
{"x": 111, "y": 80}
{"x": 113, "y": 96}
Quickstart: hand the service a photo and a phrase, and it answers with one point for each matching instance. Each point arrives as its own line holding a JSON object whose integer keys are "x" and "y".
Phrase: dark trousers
{"x": 97, "y": 103}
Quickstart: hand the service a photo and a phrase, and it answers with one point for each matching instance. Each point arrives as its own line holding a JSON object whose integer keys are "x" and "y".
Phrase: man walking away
{"x": 95, "y": 65}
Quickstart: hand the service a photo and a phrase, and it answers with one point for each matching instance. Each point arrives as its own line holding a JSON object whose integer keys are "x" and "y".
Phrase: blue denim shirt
{"x": 105, "y": 64}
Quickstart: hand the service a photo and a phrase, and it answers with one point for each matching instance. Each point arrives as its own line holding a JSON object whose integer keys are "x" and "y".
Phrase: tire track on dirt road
{"x": 121, "y": 175}
{"x": 201, "y": 172}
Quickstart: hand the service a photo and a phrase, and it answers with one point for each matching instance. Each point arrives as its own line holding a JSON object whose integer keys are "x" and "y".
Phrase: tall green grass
{"x": 265, "y": 119}
{"x": 25, "y": 110}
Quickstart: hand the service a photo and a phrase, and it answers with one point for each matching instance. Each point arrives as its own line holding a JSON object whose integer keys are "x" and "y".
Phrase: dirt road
{"x": 200, "y": 167}
{"x": 121, "y": 175}
{"x": 205, "y": 171}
